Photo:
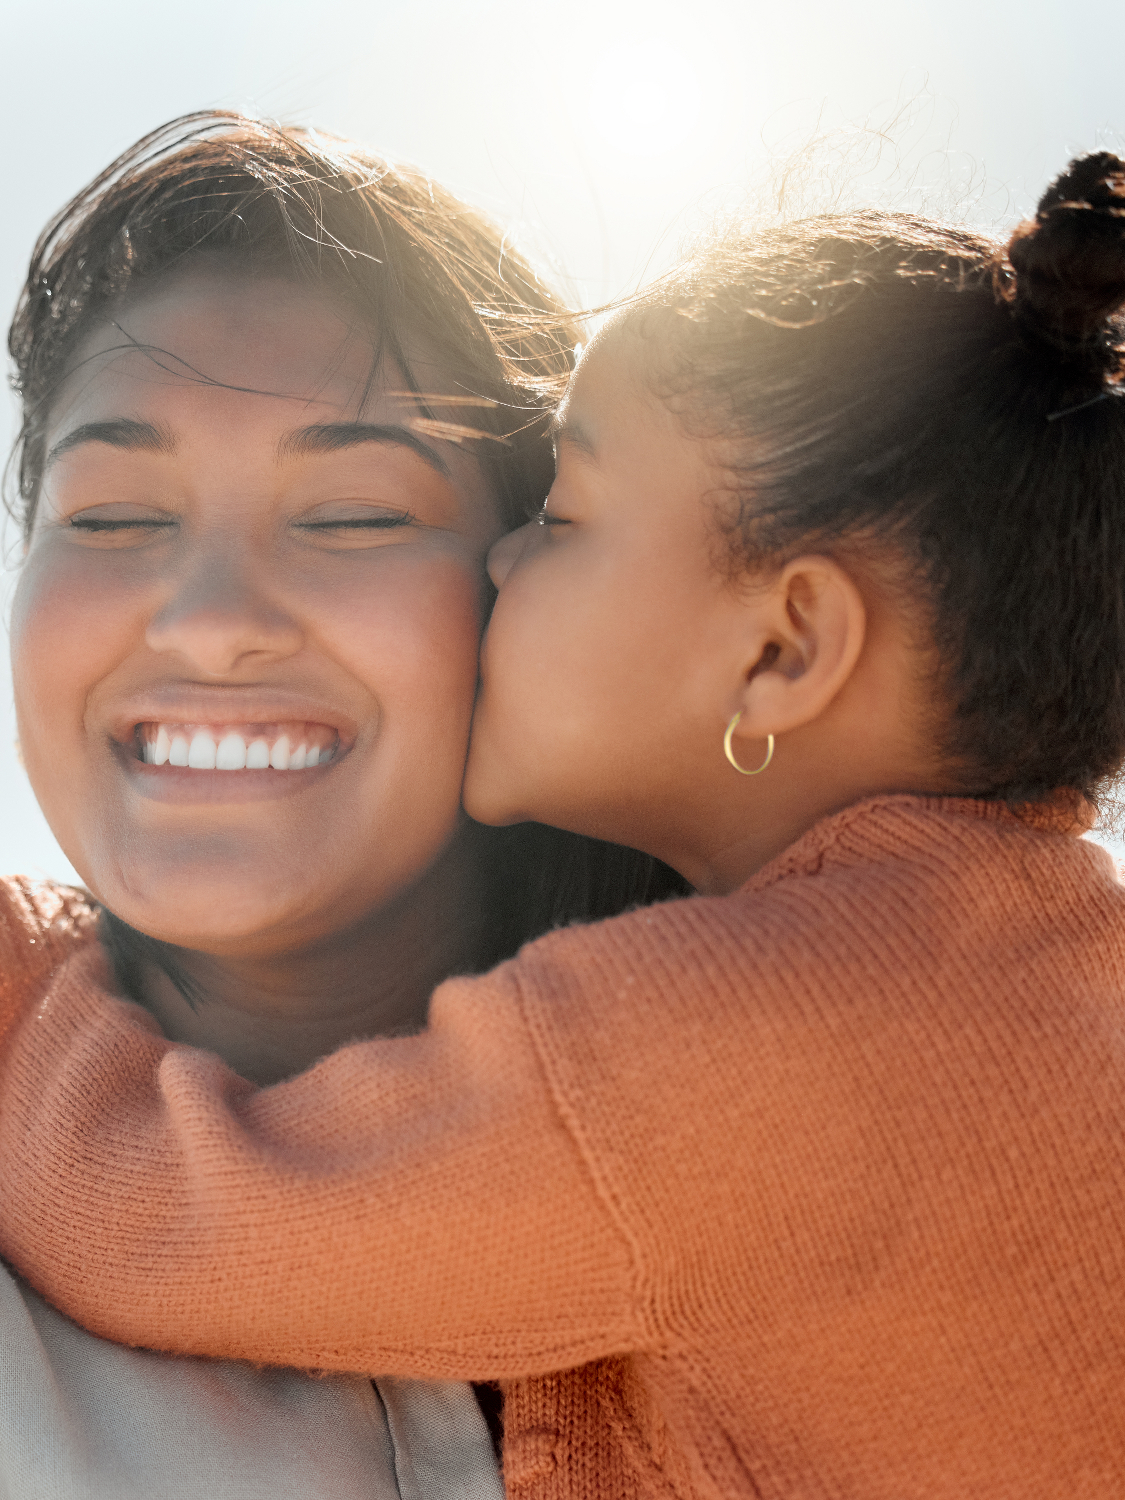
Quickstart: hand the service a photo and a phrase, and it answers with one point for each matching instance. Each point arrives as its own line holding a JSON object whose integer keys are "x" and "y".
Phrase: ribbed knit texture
{"x": 823, "y": 1182}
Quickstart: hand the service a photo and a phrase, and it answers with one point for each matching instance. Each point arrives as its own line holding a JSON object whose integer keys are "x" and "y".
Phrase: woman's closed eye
{"x": 372, "y": 522}
{"x": 353, "y": 524}
{"x": 119, "y": 523}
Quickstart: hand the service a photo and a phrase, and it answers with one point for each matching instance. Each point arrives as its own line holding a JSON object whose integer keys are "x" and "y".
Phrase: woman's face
{"x": 238, "y": 552}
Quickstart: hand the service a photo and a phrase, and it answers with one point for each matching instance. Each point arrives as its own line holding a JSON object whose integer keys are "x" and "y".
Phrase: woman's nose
{"x": 218, "y": 620}
{"x": 505, "y": 552}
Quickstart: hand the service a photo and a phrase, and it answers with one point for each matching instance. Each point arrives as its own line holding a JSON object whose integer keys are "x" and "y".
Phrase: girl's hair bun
{"x": 1064, "y": 271}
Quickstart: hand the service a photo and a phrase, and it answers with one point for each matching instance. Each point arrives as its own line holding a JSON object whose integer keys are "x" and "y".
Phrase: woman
{"x": 269, "y": 437}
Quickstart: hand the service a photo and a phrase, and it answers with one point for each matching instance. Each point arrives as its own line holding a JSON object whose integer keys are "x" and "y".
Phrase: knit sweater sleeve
{"x": 412, "y": 1206}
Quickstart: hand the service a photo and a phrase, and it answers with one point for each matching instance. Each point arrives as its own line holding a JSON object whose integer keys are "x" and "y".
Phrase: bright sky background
{"x": 600, "y": 132}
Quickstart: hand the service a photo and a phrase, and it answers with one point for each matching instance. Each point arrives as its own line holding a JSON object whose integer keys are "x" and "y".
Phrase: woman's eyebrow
{"x": 120, "y": 432}
{"x": 330, "y": 437}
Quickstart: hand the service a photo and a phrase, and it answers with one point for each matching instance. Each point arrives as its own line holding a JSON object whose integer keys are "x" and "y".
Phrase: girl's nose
{"x": 505, "y": 553}
{"x": 219, "y": 621}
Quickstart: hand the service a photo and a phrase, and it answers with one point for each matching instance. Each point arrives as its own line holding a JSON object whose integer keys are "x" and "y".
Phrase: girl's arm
{"x": 414, "y": 1206}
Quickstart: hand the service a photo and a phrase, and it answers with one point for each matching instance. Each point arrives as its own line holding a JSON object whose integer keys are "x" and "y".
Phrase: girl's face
{"x": 239, "y": 552}
{"x": 620, "y": 647}
{"x": 596, "y": 705}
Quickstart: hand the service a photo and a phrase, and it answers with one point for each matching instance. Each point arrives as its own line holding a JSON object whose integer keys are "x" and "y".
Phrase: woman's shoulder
{"x": 41, "y": 923}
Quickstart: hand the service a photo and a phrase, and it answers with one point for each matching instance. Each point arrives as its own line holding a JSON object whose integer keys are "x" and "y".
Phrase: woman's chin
{"x": 212, "y": 915}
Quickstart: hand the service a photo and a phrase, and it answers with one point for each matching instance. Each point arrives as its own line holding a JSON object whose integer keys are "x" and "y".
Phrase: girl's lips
{"x": 283, "y": 746}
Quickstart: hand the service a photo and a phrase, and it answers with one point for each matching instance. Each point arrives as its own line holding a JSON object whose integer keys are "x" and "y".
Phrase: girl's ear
{"x": 807, "y": 629}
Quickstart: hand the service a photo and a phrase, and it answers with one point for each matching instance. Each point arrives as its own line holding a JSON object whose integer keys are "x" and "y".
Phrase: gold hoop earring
{"x": 731, "y": 727}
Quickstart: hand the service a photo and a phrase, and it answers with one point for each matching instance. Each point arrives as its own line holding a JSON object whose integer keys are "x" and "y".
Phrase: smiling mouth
{"x": 236, "y": 747}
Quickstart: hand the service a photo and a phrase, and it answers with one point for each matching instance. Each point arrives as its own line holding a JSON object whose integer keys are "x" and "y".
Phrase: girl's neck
{"x": 272, "y": 1016}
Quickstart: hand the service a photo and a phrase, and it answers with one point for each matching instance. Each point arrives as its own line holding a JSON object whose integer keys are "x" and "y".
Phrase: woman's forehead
{"x": 252, "y": 377}
{"x": 246, "y": 335}
{"x": 267, "y": 337}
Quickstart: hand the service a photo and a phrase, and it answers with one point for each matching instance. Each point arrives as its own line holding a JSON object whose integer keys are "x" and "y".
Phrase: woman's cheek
{"x": 73, "y": 622}
{"x": 82, "y": 599}
{"x": 58, "y": 639}
{"x": 417, "y": 624}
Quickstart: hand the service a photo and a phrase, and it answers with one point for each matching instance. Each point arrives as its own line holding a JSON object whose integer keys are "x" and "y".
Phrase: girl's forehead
{"x": 608, "y": 393}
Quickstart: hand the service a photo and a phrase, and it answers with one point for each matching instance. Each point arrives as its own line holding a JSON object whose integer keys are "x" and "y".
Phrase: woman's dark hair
{"x": 401, "y": 253}
{"x": 881, "y": 383}
{"x": 409, "y": 260}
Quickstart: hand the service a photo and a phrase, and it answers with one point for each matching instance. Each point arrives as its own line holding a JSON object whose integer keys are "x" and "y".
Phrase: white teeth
{"x": 229, "y": 748}
{"x": 231, "y": 753}
{"x": 201, "y": 754}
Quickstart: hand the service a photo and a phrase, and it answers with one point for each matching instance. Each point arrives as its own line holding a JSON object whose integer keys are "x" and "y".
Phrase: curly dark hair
{"x": 890, "y": 384}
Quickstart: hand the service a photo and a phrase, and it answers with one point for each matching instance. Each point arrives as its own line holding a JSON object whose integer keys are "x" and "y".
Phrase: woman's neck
{"x": 272, "y": 1016}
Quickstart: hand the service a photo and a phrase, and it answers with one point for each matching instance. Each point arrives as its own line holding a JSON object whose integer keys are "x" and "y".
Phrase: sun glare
{"x": 644, "y": 99}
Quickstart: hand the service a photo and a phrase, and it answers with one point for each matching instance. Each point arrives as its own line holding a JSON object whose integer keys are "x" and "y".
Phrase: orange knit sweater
{"x": 815, "y": 1190}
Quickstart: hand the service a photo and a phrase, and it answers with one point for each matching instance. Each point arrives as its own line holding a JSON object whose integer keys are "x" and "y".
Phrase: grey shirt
{"x": 83, "y": 1419}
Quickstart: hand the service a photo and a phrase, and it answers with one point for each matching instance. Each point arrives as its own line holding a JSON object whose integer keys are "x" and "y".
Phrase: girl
{"x": 236, "y": 511}
{"x": 812, "y": 1185}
